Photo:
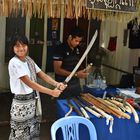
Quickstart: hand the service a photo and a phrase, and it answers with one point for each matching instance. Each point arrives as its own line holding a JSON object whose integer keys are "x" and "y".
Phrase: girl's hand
{"x": 56, "y": 92}
{"x": 61, "y": 86}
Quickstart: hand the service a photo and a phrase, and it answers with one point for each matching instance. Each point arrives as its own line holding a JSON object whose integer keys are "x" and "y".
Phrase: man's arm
{"x": 60, "y": 71}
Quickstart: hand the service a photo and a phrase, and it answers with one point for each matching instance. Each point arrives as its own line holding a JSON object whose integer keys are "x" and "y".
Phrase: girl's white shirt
{"x": 17, "y": 69}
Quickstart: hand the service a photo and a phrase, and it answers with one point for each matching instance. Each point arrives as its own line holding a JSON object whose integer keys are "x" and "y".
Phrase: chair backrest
{"x": 70, "y": 128}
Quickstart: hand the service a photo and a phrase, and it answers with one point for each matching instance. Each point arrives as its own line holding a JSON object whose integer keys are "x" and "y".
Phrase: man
{"x": 65, "y": 58}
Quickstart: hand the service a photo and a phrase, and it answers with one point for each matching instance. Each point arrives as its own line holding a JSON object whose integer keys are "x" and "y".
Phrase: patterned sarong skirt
{"x": 25, "y": 125}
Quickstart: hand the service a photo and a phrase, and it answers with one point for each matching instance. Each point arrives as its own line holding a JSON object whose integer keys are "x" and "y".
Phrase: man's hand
{"x": 82, "y": 74}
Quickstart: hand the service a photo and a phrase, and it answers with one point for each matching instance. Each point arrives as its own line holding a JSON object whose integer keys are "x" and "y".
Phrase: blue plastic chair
{"x": 70, "y": 128}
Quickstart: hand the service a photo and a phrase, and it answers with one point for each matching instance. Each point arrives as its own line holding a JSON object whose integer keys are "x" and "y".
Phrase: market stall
{"x": 121, "y": 128}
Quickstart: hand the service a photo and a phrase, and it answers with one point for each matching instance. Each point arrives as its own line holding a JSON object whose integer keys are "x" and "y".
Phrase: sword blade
{"x": 82, "y": 58}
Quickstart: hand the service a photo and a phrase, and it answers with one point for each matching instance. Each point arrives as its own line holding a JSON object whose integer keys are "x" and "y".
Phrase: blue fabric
{"x": 98, "y": 92}
{"x": 123, "y": 129}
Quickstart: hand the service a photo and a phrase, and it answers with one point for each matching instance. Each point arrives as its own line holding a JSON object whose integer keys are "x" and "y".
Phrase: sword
{"x": 82, "y": 58}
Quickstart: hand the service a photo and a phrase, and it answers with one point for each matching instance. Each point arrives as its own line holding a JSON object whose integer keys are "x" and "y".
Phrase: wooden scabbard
{"x": 111, "y": 104}
{"x": 136, "y": 117}
{"x": 123, "y": 115}
{"x": 74, "y": 108}
{"x": 89, "y": 108}
{"x": 81, "y": 108}
{"x": 99, "y": 105}
{"x": 120, "y": 105}
{"x": 70, "y": 110}
{"x": 103, "y": 113}
{"x": 102, "y": 105}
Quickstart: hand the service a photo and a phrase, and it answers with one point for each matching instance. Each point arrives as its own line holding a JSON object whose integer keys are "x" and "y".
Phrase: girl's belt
{"x": 25, "y": 97}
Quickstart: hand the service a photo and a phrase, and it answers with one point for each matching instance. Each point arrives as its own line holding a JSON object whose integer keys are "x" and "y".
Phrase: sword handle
{"x": 88, "y": 69}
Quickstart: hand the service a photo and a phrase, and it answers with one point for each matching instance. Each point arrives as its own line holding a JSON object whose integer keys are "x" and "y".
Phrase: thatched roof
{"x": 69, "y": 8}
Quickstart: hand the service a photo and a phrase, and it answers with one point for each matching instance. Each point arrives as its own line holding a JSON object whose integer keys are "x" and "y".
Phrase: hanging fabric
{"x": 112, "y": 43}
{"x": 134, "y": 36}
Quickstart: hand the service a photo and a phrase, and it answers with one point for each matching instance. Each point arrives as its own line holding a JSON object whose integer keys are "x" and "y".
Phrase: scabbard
{"x": 81, "y": 108}
{"x": 89, "y": 108}
{"x": 75, "y": 109}
{"x": 70, "y": 110}
{"x": 102, "y": 105}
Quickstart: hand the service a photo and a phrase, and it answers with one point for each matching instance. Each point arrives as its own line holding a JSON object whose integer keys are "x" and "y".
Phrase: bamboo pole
{"x": 44, "y": 55}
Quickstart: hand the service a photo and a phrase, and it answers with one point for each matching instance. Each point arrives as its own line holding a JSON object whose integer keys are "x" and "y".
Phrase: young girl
{"x": 26, "y": 107}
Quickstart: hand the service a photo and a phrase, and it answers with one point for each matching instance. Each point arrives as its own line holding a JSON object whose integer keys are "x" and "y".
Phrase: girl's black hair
{"x": 17, "y": 37}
